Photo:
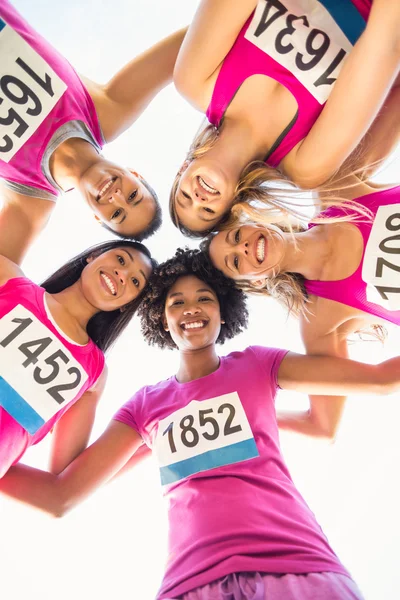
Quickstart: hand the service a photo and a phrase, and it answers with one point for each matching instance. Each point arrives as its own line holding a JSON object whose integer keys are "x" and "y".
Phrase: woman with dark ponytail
{"x": 52, "y": 343}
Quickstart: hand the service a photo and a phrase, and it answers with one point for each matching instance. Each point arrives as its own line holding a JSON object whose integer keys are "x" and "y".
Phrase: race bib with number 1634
{"x": 38, "y": 374}
{"x": 309, "y": 38}
{"x": 203, "y": 435}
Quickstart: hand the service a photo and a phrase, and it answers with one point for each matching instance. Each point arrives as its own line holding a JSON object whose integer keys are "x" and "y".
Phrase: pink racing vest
{"x": 39, "y": 93}
{"x": 42, "y": 372}
{"x": 301, "y": 44}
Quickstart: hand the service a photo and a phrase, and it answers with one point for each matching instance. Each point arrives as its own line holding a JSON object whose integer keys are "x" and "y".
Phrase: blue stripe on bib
{"x": 18, "y": 409}
{"x": 209, "y": 460}
{"x": 347, "y": 17}
{"x": 2, "y": 24}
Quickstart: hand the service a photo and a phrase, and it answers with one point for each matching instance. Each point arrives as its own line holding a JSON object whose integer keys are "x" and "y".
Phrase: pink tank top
{"x": 375, "y": 285}
{"x": 302, "y": 45}
{"x": 39, "y": 94}
{"x": 42, "y": 372}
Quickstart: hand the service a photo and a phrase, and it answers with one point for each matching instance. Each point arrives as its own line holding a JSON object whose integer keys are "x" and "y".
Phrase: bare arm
{"x": 21, "y": 220}
{"x": 333, "y": 376}
{"x": 325, "y": 413}
{"x": 211, "y": 35}
{"x": 123, "y": 99}
{"x": 357, "y": 97}
{"x": 57, "y": 494}
{"x": 72, "y": 432}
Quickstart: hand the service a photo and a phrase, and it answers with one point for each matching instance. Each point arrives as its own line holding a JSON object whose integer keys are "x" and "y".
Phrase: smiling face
{"x": 115, "y": 278}
{"x": 117, "y": 197}
{"x": 192, "y": 314}
{"x": 204, "y": 194}
{"x": 248, "y": 252}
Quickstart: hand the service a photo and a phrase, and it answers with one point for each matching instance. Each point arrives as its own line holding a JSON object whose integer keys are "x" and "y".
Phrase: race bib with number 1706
{"x": 203, "y": 435}
{"x": 309, "y": 38}
{"x": 29, "y": 90}
{"x": 381, "y": 265}
{"x": 38, "y": 374}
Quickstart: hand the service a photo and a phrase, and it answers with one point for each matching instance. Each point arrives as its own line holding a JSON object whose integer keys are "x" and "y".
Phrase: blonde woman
{"x": 263, "y": 72}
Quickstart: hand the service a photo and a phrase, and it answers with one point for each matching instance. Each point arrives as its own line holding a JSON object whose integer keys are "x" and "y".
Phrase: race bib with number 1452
{"x": 203, "y": 435}
{"x": 38, "y": 374}
{"x": 29, "y": 90}
{"x": 307, "y": 39}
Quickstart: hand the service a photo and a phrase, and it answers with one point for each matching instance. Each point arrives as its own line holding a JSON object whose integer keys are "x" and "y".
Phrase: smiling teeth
{"x": 109, "y": 284}
{"x": 260, "y": 251}
{"x": 207, "y": 187}
{"x": 195, "y": 325}
{"x": 105, "y": 188}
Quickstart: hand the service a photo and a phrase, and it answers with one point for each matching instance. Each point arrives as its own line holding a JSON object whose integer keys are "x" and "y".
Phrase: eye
{"x": 132, "y": 196}
{"x": 177, "y": 302}
{"x": 236, "y": 263}
{"x": 116, "y": 214}
{"x": 237, "y": 236}
{"x": 121, "y": 259}
{"x": 208, "y": 210}
{"x": 205, "y": 299}
{"x": 185, "y": 195}
{"x": 136, "y": 282}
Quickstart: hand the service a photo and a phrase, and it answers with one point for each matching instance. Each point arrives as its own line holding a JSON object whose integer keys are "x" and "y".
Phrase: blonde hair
{"x": 263, "y": 194}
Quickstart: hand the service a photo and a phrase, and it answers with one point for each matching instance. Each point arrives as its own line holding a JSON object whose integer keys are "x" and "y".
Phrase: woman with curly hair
{"x": 239, "y": 528}
{"x": 273, "y": 79}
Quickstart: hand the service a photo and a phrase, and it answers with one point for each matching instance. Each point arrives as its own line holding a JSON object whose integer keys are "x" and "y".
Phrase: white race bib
{"x": 303, "y": 37}
{"x": 203, "y": 435}
{"x": 381, "y": 266}
{"x": 29, "y": 89}
{"x": 38, "y": 374}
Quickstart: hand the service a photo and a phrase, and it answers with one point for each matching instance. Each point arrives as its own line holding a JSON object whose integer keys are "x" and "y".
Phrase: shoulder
{"x": 261, "y": 356}
{"x": 8, "y": 270}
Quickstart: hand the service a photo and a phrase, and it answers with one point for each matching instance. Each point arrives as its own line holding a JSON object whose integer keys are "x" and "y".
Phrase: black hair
{"x": 151, "y": 228}
{"x": 105, "y": 326}
{"x": 232, "y": 301}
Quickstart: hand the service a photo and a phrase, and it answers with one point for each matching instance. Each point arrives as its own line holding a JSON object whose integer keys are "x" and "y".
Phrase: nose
{"x": 192, "y": 310}
{"x": 117, "y": 198}
{"x": 201, "y": 196}
{"x": 243, "y": 248}
{"x": 121, "y": 276}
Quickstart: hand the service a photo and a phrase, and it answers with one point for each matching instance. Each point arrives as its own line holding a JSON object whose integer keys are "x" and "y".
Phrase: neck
{"x": 307, "y": 252}
{"x": 197, "y": 363}
{"x": 70, "y": 160}
{"x": 75, "y": 304}
{"x": 237, "y": 146}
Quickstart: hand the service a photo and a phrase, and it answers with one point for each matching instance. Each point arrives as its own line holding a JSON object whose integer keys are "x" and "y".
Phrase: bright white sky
{"x": 113, "y": 546}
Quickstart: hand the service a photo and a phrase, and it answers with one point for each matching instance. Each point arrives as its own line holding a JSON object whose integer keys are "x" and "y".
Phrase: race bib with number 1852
{"x": 381, "y": 265}
{"x": 309, "y": 38}
{"x": 29, "y": 90}
{"x": 203, "y": 435}
{"x": 38, "y": 374}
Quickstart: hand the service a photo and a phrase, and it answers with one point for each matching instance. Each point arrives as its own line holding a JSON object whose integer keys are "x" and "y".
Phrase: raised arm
{"x": 123, "y": 99}
{"x": 72, "y": 432}
{"x": 356, "y": 99}
{"x": 57, "y": 494}
{"x": 332, "y": 376}
{"x": 211, "y": 35}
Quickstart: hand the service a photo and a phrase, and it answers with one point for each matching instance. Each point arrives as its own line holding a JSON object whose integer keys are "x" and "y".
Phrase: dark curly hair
{"x": 232, "y": 301}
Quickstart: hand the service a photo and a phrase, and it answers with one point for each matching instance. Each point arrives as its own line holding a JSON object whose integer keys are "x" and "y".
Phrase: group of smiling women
{"x": 298, "y": 94}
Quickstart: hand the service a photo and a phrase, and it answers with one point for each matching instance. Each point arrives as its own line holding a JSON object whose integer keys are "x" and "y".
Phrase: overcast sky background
{"x": 113, "y": 546}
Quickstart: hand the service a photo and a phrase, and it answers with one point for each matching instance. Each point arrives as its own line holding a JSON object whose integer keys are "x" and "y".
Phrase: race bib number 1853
{"x": 307, "y": 39}
{"x": 38, "y": 374}
{"x": 29, "y": 89}
{"x": 203, "y": 435}
{"x": 381, "y": 265}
